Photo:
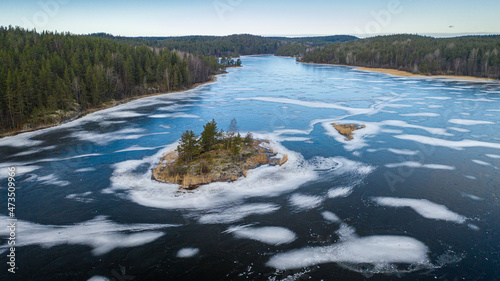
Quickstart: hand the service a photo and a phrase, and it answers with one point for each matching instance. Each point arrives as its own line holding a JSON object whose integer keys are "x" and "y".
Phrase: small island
{"x": 347, "y": 129}
{"x": 214, "y": 156}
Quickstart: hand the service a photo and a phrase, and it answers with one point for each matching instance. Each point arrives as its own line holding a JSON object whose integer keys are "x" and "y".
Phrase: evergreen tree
{"x": 188, "y": 147}
{"x": 209, "y": 135}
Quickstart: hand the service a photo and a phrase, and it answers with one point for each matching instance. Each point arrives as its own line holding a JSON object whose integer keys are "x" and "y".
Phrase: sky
{"x": 362, "y": 18}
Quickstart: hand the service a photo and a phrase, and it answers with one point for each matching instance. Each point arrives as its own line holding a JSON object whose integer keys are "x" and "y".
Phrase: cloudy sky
{"x": 262, "y": 17}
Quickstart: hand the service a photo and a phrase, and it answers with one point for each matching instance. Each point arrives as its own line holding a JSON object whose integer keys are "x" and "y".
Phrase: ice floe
{"x": 459, "y": 145}
{"x": 305, "y": 202}
{"x": 81, "y": 197}
{"x": 188, "y": 252}
{"x": 494, "y": 156}
{"x": 310, "y": 104}
{"x": 414, "y": 164}
{"x": 379, "y": 251}
{"x": 101, "y": 234}
{"x": 461, "y": 130}
{"x": 331, "y": 217}
{"x": 237, "y": 213}
{"x": 83, "y": 170}
{"x": 467, "y": 122}
{"x": 52, "y": 179}
{"x": 98, "y": 278}
{"x": 340, "y": 191}
{"x": 421, "y": 114}
{"x": 403, "y": 151}
{"x": 473, "y": 197}
{"x": 271, "y": 235}
{"x": 424, "y": 207}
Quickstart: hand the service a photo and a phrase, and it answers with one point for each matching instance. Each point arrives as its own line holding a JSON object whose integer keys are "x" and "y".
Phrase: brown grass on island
{"x": 347, "y": 129}
{"x": 230, "y": 158}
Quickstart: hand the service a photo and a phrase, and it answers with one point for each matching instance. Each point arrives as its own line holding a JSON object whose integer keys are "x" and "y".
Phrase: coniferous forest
{"x": 469, "y": 55}
{"x": 48, "y": 77}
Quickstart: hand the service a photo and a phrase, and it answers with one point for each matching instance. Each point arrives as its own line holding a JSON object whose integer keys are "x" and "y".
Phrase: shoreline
{"x": 402, "y": 73}
{"x": 111, "y": 105}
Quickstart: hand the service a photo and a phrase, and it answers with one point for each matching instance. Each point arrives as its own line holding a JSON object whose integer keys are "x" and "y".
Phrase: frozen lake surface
{"x": 415, "y": 194}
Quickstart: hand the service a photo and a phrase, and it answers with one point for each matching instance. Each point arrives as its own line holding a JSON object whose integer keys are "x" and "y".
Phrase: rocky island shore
{"x": 215, "y": 156}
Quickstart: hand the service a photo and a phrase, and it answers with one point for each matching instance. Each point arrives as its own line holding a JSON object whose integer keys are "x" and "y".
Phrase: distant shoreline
{"x": 96, "y": 109}
{"x": 402, "y": 73}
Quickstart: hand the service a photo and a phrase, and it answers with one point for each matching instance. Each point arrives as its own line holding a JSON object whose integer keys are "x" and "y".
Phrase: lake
{"x": 415, "y": 194}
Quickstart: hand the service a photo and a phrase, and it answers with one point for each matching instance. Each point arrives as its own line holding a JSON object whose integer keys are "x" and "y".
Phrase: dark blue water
{"x": 413, "y": 196}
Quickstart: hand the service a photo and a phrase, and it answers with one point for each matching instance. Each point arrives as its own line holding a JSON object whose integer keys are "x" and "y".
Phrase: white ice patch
{"x": 403, "y": 151}
{"x": 188, "y": 252}
{"x": 421, "y": 114}
{"x": 19, "y": 141}
{"x": 459, "y": 145}
{"x": 310, "y": 104}
{"x": 494, "y": 156}
{"x": 33, "y": 151}
{"x": 271, "y": 235}
{"x": 425, "y": 208}
{"x": 83, "y": 170}
{"x": 479, "y": 162}
{"x": 473, "y": 226}
{"x": 19, "y": 171}
{"x": 237, "y": 213}
{"x": 98, "y": 278}
{"x": 340, "y": 192}
{"x": 461, "y": 130}
{"x": 467, "y": 122}
{"x": 52, "y": 179}
{"x": 174, "y": 115}
{"x": 414, "y": 164}
{"x": 101, "y": 234}
{"x": 331, "y": 217}
{"x": 473, "y": 197}
{"x": 439, "y": 98}
{"x": 470, "y": 177}
{"x": 123, "y": 114}
{"x": 81, "y": 197}
{"x": 391, "y": 131}
{"x": 137, "y": 148}
{"x": 399, "y": 123}
{"x": 305, "y": 202}
{"x": 105, "y": 138}
{"x": 379, "y": 251}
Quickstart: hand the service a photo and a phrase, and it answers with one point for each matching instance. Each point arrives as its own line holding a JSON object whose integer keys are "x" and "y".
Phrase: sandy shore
{"x": 409, "y": 74}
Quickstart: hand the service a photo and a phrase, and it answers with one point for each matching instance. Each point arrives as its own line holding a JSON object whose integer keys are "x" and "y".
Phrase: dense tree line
{"x": 299, "y": 46}
{"x": 220, "y": 46}
{"x": 470, "y": 55}
{"x": 46, "y": 76}
{"x": 231, "y": 46}
{"x": 293, "y": 50}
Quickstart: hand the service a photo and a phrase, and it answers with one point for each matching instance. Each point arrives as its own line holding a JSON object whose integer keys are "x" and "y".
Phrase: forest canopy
{"x": 469, "y": 55}
{"x": 48, "y": 77}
